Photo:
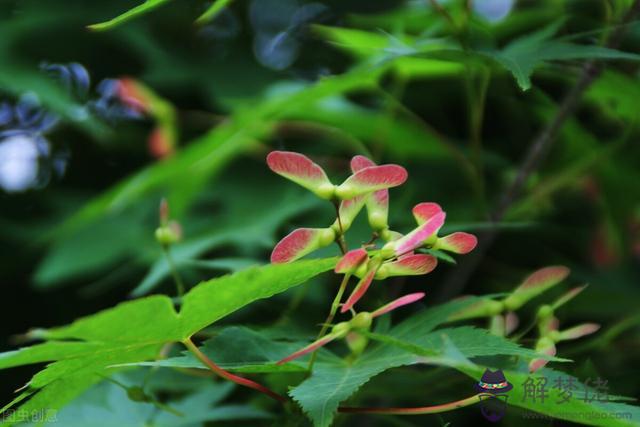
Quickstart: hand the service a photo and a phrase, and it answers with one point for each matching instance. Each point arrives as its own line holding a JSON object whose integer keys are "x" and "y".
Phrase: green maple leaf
{"x": 137, "y": 330}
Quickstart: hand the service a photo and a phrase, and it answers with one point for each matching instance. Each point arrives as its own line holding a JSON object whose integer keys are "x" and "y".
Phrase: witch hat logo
{"x": 493, "y": 387}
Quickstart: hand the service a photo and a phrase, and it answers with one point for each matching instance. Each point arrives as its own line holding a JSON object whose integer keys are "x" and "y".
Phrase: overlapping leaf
{"x": 334, "y": 380}
{"x": 332, "y": 383}
{"x": 413, "y": 341}
{"x": 523, "y": 55}
{"x": 135, "y": 331}
{"x": 108, "y": 405}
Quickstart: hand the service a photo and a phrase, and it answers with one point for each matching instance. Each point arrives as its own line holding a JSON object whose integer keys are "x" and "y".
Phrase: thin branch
{"x": 332, "y": 313}
{"x": 458, "y": 155}
{"x": 340, "y": 240}
{"x": 442, "y": 11}
{"x": 418, "y": 410}
{"x": 174, "y": 271}
{"x": 228, "y": 375}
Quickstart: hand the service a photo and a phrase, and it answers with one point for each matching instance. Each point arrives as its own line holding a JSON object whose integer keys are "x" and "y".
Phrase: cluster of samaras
{"x": 367, "y": 186}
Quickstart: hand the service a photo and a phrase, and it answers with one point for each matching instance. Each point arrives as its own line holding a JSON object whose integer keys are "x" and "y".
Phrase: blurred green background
{"x": 390, "y": 79}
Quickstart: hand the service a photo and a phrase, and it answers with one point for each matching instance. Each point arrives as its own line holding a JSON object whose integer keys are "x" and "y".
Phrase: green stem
{"x": 228, "y": 375}
{"x": 461, "y": 158}
{"x": 116, "y": 382}
{"x": 174, "y": 271}
{"x": 327, "y": 323}
{"x": 443, "y": 12}
{"x": 415, "y": 411}
{"x": 294, "y": 303}
{"x": 164, "y": 352}
{"x": 167, "y": 408}
{"x": 342, "y": 243}
{"x": 477, "y": 82}
{"x": 497, "y": 325}
{"x": 151, "y": 400}
{"x": 389, "y": 112}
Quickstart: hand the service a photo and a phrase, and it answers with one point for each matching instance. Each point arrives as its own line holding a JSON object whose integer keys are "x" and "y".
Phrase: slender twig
{"x": 114, "y": 381}
{"x": 228, "y": 375}
{"x": 389, "y": 112}
{"x": 148, "y": 399}
{"x": 474, "y": 167}
{"x": 342, "y": 243}
{"x": 456, "y": 153}
{"x": 443, "y": 12}
{"x": 167, "y": 408}
{"x": 174, "y": 271}
{"x": 418, "y": 410}
{"x": 336, "y": 204}
{"x": 540, "y": 145}
{"x": 477, "y": 82}
{"x": 374, "y": 237}
{"x": 294, "y": 303}
{"x": 460, "y": 31}
{"x": 537, "y": 150}
{"x": 297, "y": 128}
{"x": 332, "y": 313}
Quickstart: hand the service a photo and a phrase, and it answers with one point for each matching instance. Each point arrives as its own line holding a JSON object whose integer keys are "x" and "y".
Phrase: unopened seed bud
{"x": 545, "y": 311}
{"x": 327, "y": 237}
{"x": 382, "y": 273}
{"x": 361, "y": 320}
{"x": 361, "y": 270}
{"x": 388, "y": 250}
{"x": 137, "y": 394}
{"x": 544, "y": 344}
{"x": 357, "y": 343}
{"x": 554, "y": 336}
{"x": 386, "y": 234}
{"x": 341, "y": 329}
{"x": 166, "y": 235}
{"x": 378, "y": 221}
{"x": 390, "y": 235}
